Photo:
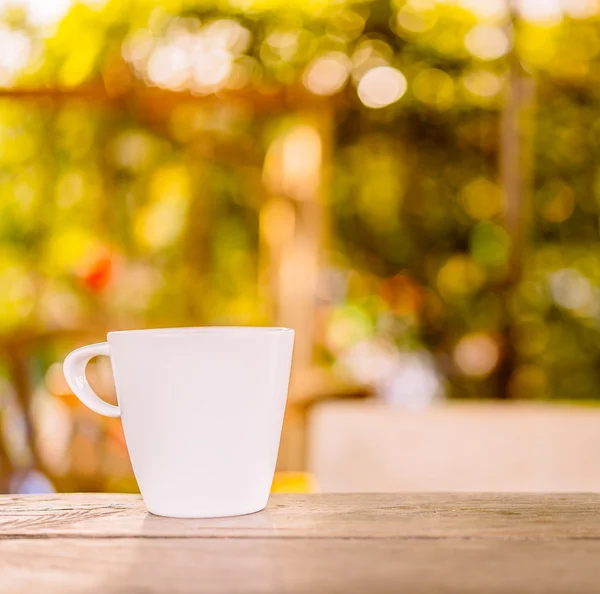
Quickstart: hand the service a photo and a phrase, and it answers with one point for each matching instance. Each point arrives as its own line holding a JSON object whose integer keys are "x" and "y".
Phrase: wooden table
{"x": 409, "y": 543}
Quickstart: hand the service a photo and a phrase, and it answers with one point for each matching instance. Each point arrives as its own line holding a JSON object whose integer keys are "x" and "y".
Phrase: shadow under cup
{"x": 202, "y": 411}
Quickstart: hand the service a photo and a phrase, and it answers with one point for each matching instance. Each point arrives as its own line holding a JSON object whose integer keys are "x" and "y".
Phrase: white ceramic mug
{"x": 202, "y": 410}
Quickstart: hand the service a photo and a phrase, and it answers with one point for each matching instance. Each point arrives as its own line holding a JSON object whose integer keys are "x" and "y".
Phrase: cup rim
{"x": 205, "y": 330}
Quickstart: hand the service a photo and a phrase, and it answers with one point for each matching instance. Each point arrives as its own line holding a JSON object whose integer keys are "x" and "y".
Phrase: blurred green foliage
{"x": 118, "y": 212}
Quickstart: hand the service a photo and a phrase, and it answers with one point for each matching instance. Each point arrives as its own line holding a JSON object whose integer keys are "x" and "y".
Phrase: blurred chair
{"x": 365, "y": 446}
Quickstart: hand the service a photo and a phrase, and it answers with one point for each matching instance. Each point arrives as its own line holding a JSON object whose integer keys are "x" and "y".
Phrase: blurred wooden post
{"x": 293, "y": 231}
{"x": 515, "y": 156}
{"x": 516, "y": 149}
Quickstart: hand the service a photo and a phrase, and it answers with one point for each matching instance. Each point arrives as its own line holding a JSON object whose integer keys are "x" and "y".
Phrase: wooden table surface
{"x": 462, "y": 543}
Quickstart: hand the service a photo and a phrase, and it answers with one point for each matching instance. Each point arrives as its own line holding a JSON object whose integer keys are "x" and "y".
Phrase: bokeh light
{"x": 45, "y": 12}
{"x": 476, "y": 354}
{"x": 548, "y": 11}
{"x": 188, "y": 54}
{"x": 15, "y": 50}
{"x": 381, "y": 86}
{"x": 487, "y": 42}
{"x": 487, "y": 10}
{"x": 482, "y": 84}
{"x": 415, "y": 18}
{"x": 490, "y": 244}
{"x": 327, "y": 74}
{"x": 571, "y": 290}
{"x": 459, "y": 276}
{"x": 434, "y": 88}
{"x": 482, "y": 199}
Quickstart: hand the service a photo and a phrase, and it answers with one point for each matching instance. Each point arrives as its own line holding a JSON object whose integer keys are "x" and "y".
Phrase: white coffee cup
{"x": 202, "y": 411}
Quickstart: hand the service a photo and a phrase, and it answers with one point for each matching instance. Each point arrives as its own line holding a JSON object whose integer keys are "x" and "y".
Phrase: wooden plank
{"x": 324, "y": 516}
{"x": 228, "y": 566}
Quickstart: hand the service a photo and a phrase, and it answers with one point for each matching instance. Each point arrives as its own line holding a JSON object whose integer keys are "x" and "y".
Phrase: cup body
{"x": 202, "y": 412}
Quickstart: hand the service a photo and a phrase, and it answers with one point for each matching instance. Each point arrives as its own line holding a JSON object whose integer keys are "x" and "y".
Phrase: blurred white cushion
{"x": 365, "y": 446}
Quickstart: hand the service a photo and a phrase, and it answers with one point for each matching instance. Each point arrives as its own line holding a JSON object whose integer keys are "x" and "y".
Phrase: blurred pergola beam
{"x": 268, "y": 100}
{"x": 92, "y": 92}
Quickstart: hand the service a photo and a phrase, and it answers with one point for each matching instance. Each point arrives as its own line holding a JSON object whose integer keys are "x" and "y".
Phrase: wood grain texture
{"x": 383, "y": 515}
{"x": 443, "y": 543}
{"x": 297, "y": 566}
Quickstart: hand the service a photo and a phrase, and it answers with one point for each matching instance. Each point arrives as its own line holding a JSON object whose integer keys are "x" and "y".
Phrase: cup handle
{"x": 74, "y": 370}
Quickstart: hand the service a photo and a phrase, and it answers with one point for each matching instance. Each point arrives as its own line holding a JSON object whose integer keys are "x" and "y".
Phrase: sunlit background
{"x": 414, "y": 186}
